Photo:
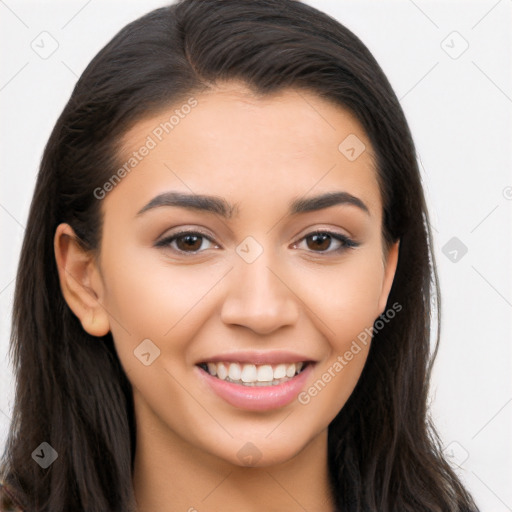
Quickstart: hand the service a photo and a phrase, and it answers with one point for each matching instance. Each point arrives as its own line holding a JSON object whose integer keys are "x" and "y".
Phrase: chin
{"x": 263, "y": 451}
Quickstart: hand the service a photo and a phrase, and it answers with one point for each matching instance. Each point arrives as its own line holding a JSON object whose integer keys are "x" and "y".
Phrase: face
{"x": 263, "y": 283}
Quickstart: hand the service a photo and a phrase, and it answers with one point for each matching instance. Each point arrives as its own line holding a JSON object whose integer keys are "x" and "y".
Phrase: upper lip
{"x": 255, "y": 357}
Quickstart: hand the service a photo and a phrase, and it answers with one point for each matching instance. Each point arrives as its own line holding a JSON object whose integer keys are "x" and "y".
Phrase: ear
{"x": 390, "y": 263}
{"x": 80, "y": 281}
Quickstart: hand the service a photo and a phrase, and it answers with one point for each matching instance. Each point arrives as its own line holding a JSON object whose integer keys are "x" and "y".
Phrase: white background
{"x": 459, "y": 110}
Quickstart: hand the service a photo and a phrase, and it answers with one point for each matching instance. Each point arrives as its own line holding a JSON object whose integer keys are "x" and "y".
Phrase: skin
{"x": 259, "y": 153}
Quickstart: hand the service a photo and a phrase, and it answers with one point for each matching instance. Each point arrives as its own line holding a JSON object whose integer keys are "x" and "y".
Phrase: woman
{"x": 224, "y": 293}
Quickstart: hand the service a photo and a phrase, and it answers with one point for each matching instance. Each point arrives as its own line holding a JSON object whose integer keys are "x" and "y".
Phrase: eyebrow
{"x": 220, "y": 206}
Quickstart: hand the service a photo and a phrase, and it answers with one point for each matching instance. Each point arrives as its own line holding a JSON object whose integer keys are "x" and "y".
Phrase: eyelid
{"x": 168, "y": 233}
{"x": 347, "y": 241}
{"x": 316, "y": 228}
{"x": 165, "y": 240}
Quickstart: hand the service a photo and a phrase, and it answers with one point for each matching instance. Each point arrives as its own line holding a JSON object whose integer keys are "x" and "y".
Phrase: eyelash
{"x": 346, "y": 242}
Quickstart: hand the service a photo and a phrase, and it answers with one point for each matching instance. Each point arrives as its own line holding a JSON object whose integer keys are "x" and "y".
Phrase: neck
{"x": 171, "y": 475}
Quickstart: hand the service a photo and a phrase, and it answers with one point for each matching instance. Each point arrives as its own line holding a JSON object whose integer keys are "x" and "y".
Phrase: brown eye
{"x": 187, "y": 241}
{"x": 322, "y": 242}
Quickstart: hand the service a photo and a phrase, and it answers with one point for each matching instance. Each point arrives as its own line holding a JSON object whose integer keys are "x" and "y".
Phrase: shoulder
{"x": 8, "y": 501}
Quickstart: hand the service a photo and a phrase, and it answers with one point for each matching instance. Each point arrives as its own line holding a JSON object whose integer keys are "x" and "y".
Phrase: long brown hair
{"x": 71, "y": 391}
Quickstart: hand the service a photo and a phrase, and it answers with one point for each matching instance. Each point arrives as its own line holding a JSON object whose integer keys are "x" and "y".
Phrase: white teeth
{"x": 265, "y": 373}
{"x": 290, "y": 371}
{"x": 222, "y": 372}
{"x": 254, "y": 375}
{"x": 279, "y": 371}
{"x": 249, "y": 373}
{"x": 234, "y": 371}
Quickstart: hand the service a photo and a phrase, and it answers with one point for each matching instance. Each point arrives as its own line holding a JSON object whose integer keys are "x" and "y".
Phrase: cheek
{"x": 345, "y": 297}
{"x": 147, "y": 298}
{"x": 150, "y": 301}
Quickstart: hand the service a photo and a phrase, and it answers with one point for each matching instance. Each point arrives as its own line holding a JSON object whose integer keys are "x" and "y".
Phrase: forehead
{"x": 234, "y": 143}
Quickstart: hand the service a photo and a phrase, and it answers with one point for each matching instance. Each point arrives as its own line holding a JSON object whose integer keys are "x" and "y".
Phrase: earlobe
{"x": 80, "y": 281}
{"x": 390, "y": 265}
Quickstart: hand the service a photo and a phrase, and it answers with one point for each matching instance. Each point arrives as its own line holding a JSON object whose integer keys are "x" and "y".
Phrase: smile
{"x": 252, "y": 374}
{"x": 255, "y": 395}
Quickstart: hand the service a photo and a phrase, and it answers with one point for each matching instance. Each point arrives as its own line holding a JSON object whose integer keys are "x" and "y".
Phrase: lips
{"x": 256, "y": 380}
{"x": 255, "y": 396}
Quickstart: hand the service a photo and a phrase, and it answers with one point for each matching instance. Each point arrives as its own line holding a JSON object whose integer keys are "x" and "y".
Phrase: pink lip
{"x": 257, "y": 398}
{"x": 255, "y": 357}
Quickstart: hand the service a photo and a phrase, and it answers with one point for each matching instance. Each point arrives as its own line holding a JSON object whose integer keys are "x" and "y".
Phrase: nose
{"x": 259, "y": 298}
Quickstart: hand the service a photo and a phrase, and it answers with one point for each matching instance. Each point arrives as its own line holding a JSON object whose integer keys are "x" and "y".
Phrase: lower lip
{"x": 257, "y": 398}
